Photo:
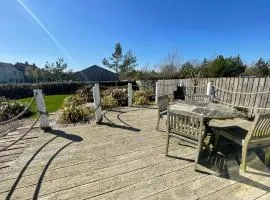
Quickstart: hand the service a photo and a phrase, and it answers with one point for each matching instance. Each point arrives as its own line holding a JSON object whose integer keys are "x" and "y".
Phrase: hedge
{"x": 17, "y": 91}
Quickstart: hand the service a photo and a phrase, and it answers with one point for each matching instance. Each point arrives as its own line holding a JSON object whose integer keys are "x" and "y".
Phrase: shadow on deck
{"x": 109, "y": 163}
{"x": 58, "y": 133}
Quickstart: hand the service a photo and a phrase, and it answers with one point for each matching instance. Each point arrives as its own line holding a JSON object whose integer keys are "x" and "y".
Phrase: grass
{"x": 52, "y": 102}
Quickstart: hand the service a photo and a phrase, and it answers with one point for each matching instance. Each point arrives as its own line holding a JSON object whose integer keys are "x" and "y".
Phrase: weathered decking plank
{"x": 100, "y": 181}
{"x": 123, "y": 161}
{"x": 155, "y": 154}
{"x": 264, "y": 197}
{"x": 73, "y": 155}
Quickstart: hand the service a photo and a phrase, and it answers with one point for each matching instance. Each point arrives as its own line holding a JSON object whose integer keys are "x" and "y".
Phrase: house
{"x": 96, "y": 74}
{"x": 10, "y": 74}
{"x": 31, "y": 72}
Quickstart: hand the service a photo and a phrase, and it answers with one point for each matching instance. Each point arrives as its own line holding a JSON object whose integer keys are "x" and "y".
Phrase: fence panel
{"x": 231, "y": 85}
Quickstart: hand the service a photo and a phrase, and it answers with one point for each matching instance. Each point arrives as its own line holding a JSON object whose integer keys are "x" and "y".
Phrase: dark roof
{"x": 95, "y": 73}
{"x": 7, "y": 66}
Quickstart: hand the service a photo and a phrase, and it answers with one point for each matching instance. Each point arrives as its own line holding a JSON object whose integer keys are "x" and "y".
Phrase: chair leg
{"x": 167, "y": 145}
{"x": 198, "y": 152}
{"x": 243, "y": 165}
{"x": 158, "y": 122}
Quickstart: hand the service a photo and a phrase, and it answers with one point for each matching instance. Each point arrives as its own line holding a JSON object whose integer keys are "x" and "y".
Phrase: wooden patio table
{"x": 209, "y": 111}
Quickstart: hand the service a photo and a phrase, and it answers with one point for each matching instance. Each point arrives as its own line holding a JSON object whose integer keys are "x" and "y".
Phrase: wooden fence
{"x": 241, "y": 92}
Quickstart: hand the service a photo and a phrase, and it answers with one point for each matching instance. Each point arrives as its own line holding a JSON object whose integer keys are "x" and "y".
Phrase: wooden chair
{"x": 257, "y": 135}
{"x": 200, "y": 98}
{"x": 185, "y": 126}
{"x": 163, "y": 104}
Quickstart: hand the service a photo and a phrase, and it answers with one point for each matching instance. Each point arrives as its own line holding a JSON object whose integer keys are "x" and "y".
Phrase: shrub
{"x": 119, "y": 94}
{"x": 148, "y": 92}
{"x": 170, "y": 98}
{"x": 141, "y": 100}
{"x": 3, "y": 100}
{"x": 142, "y": 97}
{"x": 74, "y": 114}
{"x": 108, "y": 102}
{"x": 10, "y": 109}
{"x": 85, "y": 93}
{"x": 73, "y": 100}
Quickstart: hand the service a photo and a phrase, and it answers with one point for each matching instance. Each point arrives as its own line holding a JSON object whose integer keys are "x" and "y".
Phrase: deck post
{"x": 97, "y": 103}
{"x": 210, "y": 90}
{"x": 181, "y": 83}
{"x": 44, "y": 120}
{"x": 157, "y": 91}
{"x": 129, "y": 94}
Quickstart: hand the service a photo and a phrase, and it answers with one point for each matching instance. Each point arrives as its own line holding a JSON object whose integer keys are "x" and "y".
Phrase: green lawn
{"x": 53, "y": 102}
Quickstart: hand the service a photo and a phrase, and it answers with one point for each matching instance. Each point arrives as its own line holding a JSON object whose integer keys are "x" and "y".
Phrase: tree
{"x": 58, "y": 70}
{"x": 60, "y": 67}
{"x": 129, "y": 62}
{"x": 261, "y": 68}
{"x": 192, "y": 71}
{"x": 170, "y": 65}
{"x": 187, "y": 70}
{"x": 223, "y": 67}
{"x": 234, "y": 66}
{"x": 116, "y": 59}
{"x": 127, "y": 69}
{"x": 119, "y": 63}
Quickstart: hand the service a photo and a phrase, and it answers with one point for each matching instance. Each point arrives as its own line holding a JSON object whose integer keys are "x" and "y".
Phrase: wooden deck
{"x": 124, "y": 159}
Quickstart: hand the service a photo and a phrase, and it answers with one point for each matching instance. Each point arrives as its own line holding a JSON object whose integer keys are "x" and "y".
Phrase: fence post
{"x": 209, "y": 89}
{"x": 129, "y": 94}
{"x": 44, "y": 120}
{"x": 181, "y": 83}
{"x": 97, "y": 103}
{"x": 157, "y": 91}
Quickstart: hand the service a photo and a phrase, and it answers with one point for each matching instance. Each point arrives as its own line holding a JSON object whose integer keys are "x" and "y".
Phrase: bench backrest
{"x": 200, "y": 98}
{"x": 163, "y": 103}
{"x": 185, "y": 123}
{"x": 260, "y": 129}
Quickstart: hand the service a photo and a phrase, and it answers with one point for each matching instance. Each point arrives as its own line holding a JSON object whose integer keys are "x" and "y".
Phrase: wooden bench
{"x": 257, "y": 135}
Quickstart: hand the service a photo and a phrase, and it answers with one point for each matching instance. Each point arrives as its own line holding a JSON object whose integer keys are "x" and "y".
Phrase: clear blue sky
{"x": 85, "y": 31}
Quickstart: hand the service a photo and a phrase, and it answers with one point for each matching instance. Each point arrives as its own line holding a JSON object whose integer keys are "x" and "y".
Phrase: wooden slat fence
{"x": 247, "y": 92}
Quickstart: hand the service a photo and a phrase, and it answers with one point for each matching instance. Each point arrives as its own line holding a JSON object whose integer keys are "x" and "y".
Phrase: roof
{"x": 7, "y": 66}
{"x": 95, "y": 73}
{"x": 23, "y": 66}
{"x": 96, "y": 66}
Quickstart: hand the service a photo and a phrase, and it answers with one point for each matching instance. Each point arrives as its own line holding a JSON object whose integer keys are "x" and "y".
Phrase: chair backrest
{"x": 187, "y": 124}
{"x": 260, "y": 129}
{"x": 163, "y": 103}
{"x": 200, "y": 98}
